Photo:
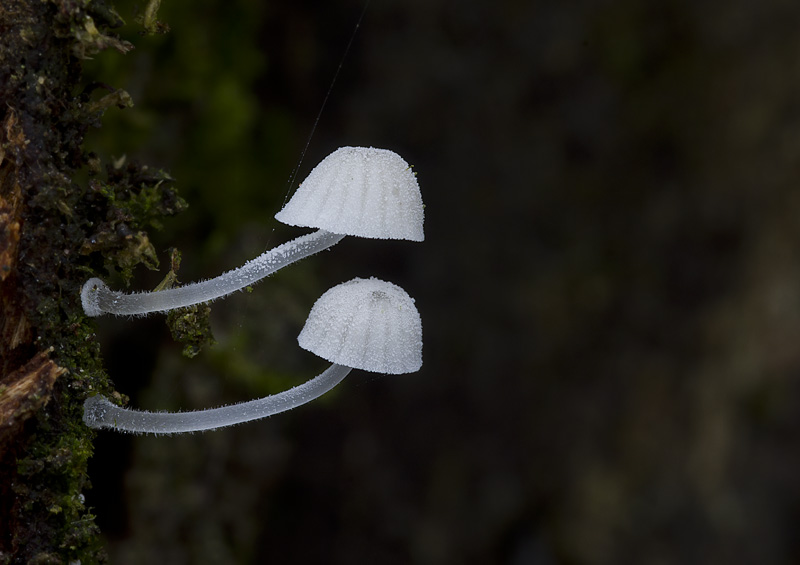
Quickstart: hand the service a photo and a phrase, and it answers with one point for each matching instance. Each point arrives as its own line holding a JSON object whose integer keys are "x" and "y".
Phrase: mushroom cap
{"x": 366, "y": 324}
{"x": 360, "y": 191}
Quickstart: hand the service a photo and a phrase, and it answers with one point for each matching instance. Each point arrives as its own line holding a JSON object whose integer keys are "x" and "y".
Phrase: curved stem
{"x": 99, "y": 412}
{"x": 98, "y": 299}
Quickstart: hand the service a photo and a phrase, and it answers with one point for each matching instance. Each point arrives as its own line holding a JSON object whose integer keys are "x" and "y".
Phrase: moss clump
{"x": 131, "y": 199}
{"x": 188, "y": 326}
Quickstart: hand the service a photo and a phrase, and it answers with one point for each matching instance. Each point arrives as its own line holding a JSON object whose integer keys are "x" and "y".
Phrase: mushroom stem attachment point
{"x": 98, "y": 299}
{"x": 99, "y": 412}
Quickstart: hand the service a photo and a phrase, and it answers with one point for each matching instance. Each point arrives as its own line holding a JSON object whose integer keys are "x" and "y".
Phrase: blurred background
{"x": 609, "y": 285}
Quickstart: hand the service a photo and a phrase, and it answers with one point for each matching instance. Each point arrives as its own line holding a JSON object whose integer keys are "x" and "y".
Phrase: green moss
{"x": 131, "y": 199}
{"x": 188, "y": 326}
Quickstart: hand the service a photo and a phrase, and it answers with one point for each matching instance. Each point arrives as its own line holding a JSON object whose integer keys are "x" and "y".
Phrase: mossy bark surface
{"x": 64, "y": 216}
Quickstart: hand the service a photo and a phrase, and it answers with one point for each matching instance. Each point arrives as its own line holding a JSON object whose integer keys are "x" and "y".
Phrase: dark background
{"x": 609, "y": 285}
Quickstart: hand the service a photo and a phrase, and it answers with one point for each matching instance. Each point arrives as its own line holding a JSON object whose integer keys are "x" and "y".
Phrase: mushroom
{"x": 365, "y": 324}
{"x": 360, "y": 191}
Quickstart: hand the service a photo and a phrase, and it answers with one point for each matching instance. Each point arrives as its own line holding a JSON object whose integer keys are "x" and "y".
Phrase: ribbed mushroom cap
{"x": 359, "y": 191}
{"x": 366, "y": 324}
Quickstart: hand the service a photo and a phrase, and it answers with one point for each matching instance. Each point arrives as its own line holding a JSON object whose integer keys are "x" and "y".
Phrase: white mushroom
{"x": 359, "y": 191}
{"x": 364, "y": 324}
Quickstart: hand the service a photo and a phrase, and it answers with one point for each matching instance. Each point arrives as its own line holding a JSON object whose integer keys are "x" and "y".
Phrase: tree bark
{"x": 56, "y": 232}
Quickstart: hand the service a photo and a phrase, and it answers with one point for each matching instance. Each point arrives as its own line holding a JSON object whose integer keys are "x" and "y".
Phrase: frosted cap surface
{"x": 360, "y": 191}
{"x": 366, "y": 324}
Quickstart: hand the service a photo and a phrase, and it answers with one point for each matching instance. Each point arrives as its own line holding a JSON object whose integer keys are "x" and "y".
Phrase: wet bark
{"x": 55, "y": 232}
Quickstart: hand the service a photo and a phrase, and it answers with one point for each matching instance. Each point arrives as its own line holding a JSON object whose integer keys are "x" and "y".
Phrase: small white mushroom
{"x": 364, "y": 324}
{"x": 359, "y": 191}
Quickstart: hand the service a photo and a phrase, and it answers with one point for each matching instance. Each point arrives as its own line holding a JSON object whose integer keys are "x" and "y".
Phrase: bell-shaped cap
{"x": 366, "y": 324}
{"x": 360, "y": 191}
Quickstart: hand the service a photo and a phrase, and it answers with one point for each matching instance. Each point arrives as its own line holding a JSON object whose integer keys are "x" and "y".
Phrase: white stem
{"x": 99, "y": 412}
{"x": 98, "y": 299}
